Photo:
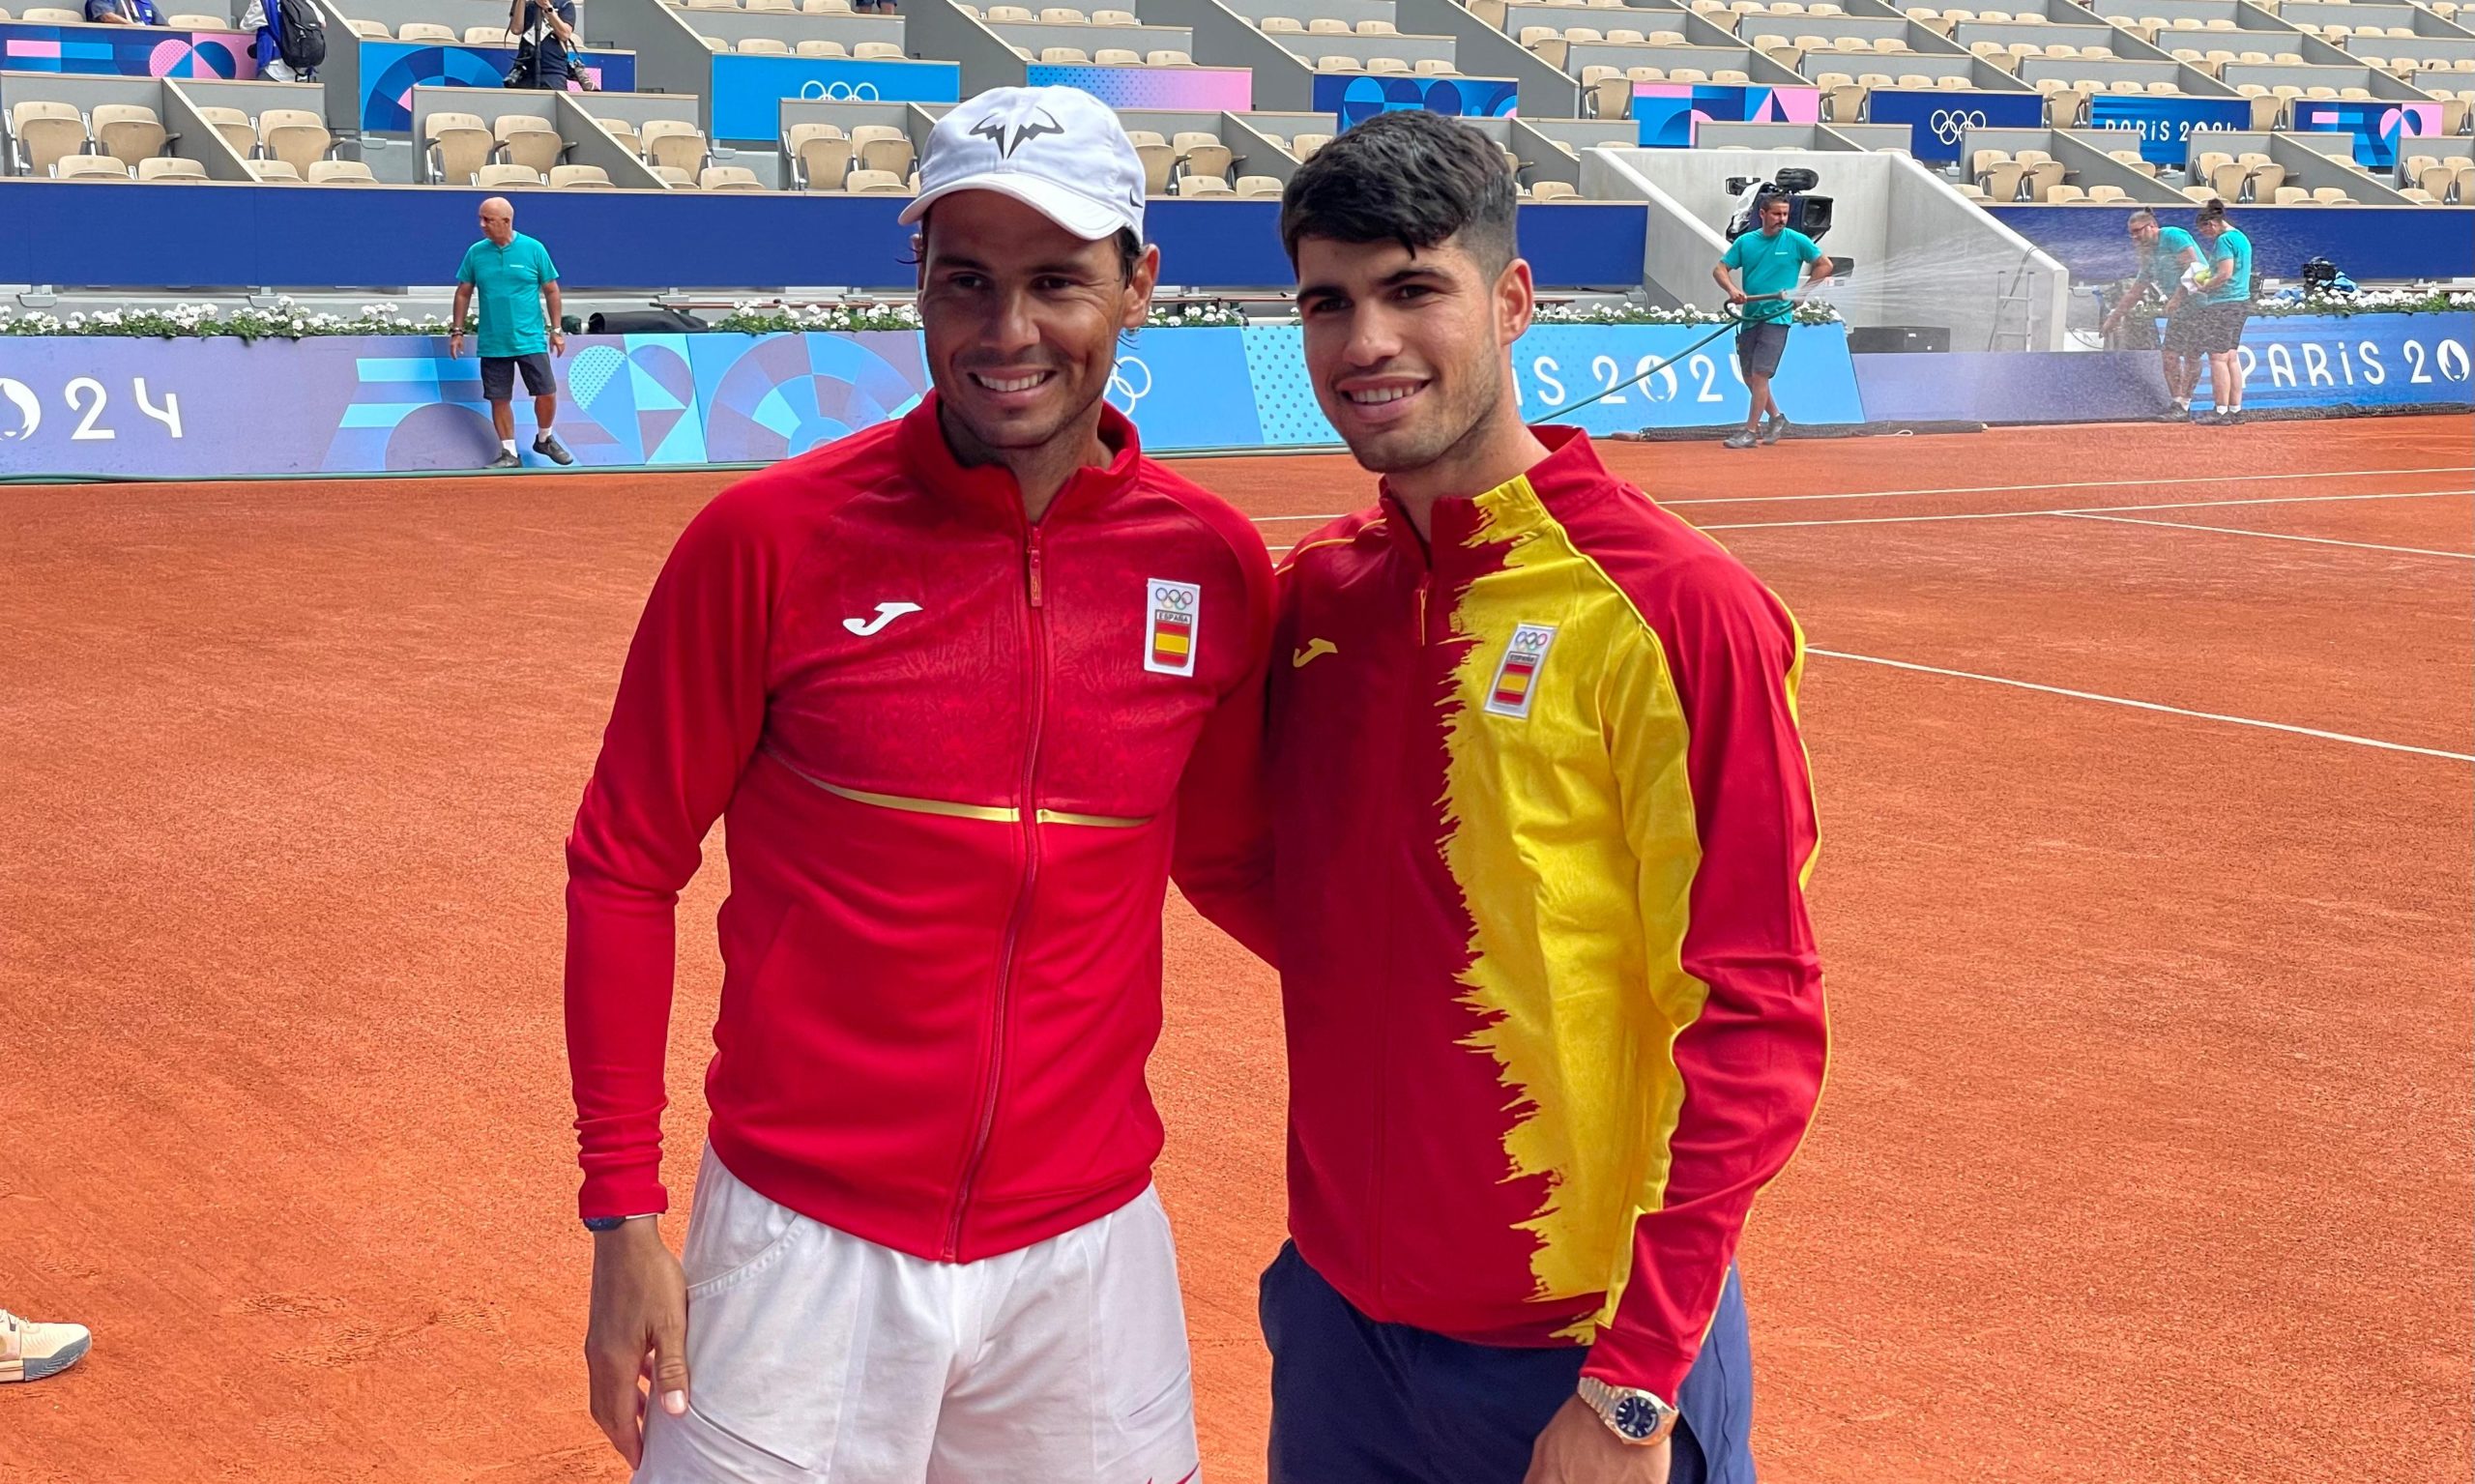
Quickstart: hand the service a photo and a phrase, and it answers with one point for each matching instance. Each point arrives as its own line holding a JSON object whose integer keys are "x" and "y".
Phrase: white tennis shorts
{"x": 815, "y": 1357}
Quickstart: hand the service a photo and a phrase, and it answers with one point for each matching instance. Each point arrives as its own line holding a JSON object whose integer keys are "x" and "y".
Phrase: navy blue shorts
{"x": 1759, "y": 344}
{"x": 1358, "y": 1402}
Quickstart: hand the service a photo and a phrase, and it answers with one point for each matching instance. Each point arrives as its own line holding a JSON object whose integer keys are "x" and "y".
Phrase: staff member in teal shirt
{"x": 1773, "y": 261}
{"x": 2227, "y": 302}
{"x": 516, "y": 280}
{"x": 2167, "y": 253}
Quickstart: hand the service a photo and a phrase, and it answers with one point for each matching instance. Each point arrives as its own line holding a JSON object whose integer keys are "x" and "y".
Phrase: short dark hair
{"x": 1411, "y": 177}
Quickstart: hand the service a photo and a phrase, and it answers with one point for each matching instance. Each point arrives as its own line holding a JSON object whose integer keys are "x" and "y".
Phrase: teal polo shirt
{"x": 507, "y": 291}
{"x": 1771, "y": 265}
{"x": 2237, "y": 287}
{"x": 2165, "y": 265}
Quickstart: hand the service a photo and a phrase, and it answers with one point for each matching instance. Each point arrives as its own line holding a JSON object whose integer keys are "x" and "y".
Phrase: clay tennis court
{"x": 2144, "y": 1154}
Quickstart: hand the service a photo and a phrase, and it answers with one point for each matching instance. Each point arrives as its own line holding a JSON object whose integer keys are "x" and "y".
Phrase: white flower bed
{"x": 2369, "y": 300}
{"x": 1809, "y": 313}
{"x": 758, "y": 317}
{"x": 287, "y": 320}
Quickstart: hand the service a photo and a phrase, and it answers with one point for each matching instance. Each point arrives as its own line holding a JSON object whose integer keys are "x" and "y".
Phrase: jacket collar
{"x": 1463, "y": 528}
{"x": 992, "y": 487}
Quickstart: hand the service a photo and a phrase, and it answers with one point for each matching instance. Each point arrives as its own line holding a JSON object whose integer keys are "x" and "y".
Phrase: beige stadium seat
{"x": 1434, "y": 67}
{"x": 1554, "y": 190}
{"x": 1730, "y": 77}
{"x": 1159, "y": 165}
{"x": 881, "y": 147}
{"x": 2420, "y": 197}
{"x": 2108, "y": 195}
{"x": 487, "y": 36}
{"x": 1063, "y": 16}
{"x": 1064, "y": 56}
{"x": 341, "y": 172}
{"x": 275, "y": 172}
{"x": 233, "y": 124}
{"x": 1205, "y": 186}
{"x": 1117, "y": 56}
{"x": 1115, "y": 18}
{"x": 1168, "y": 57}
{"x": 169, "y": 167}
{"x": 194, "y": 21}
{"x": 1259, "y": 185}
{"x": 1388, "y": 67}
{"x": 877, "y": 183}
{"x": 2287, "y": 195}
{"x": 728, "y": 178}
{"x": 763, "y": 46}
{"x": 1281, "y": 25}
{"x": 528, "y": 141}
{"x": 1327, "y": 25}
{"x": 2435, "y": 176}
{"x": 713, "y": 43}
{"x": 85, "y": 167}
{"x": 814, "y": 47}
{"x": 1916, "y": 80}
{"x": 296, "y": 136}
{"x": 1201, "y": 154}
{"x": 878, "y": 51}
{"x": 771, "y": 7}
{"x": 824, "y": 7}
{"x": 1378, "y": 28}
{"x": 624, "y": 132}
{"x": 504, "y": 177}
{"x": 424, "y": 31}
{"x": 457, "y": 146}
{"x": 1626, "y": 36}
{"x": 129, "y": 132}
{"x": 824, "y": 159}
{"x": 676, "y": 143}
{"x": 1339, "y": 65}
{"x": 53, "y": 16}
{"x": 579, "y": 178}
{"x": 1304, "y": 146}
{"x": 372, "y": 30}
{"x": 2331, "y": 195}
{"x": 1016, "y": 14}
{"x": 2065, "y": 195}
{"x": 674, "y": 178}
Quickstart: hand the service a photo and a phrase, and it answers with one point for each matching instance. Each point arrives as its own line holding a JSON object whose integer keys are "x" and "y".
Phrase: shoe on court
{"x": 550, "y": 448}
{"x": 2180, "y": 411}
{"x": 1742, "y": 438}
{"x": 31, "y": 1352}
{"x": 1773, "y": 430}
{"x": 508, "y": 458}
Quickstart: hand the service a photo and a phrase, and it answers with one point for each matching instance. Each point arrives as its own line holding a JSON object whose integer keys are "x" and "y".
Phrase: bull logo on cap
{"x": 994, "y": 132}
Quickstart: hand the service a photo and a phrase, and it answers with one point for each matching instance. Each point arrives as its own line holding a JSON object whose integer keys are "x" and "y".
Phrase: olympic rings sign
{"x": 841, "y": 92}
{"x": 1123, "y": 383}
{"x": 1176, "y": 596}
{"x": 1949, "y": 124}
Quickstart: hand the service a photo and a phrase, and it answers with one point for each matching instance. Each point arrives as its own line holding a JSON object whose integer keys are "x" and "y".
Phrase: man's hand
{"x": 558, "y": 342}
{"x": 1578, "y": 1448}
{"x": 1737, "y": 296}
{"x": 455, "y": 346}
{"x": 638, "y": 1332}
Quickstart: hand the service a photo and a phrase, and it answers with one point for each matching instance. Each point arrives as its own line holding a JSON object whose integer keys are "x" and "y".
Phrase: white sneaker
{"x": 31, "y": 1352}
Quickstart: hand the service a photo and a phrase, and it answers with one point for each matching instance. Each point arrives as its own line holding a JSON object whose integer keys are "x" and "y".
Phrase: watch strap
{"x": 1638, "y": 1417}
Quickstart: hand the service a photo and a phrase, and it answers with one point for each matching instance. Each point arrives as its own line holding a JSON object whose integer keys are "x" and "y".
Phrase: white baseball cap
{"x": 1060, "y": 151}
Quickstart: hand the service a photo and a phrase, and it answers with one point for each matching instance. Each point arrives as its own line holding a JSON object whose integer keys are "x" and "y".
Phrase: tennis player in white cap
{"x": 969, "y": 688}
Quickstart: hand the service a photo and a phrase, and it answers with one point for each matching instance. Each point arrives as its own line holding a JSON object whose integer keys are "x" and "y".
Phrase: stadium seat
{"x": 275, "y": 172}
{"x": 763, "y": 46}
{"x": 52, "y": 16}
{"x": 505, "y": 177}
{"x": 1010, "y": 14}
{"x": 1115, "y": 18}
{"x": 487, "y": 36}
{"x": 1117, "y": 56}
{"x": 715, "y": 44}
{"x": 296, "y": 136}
{"x": 341, "y": 172}
{"x": 1327, "y": 25}
{"x": 675, "y": 143}
{"x": 194, "y": 22}
{"x": 1281, "y": 25}
{"x": 1304, "y": 146}
{"x": 457, "y": 147}
{"x": 2287, "y": 195}
{"x": 579, "y": 178}
{"x": 1434, "y": 67}
{"x": 86, "y": 167}
{"x": 1167, "y": 57}
{"x": 1201, "y": 154}
{"x": 1347, "y": 64}
{"x": 771, "y": 7}
{"x": 1259, "y": 185}
{"x": 372, "y": 30}
{"x": 1063, "y": 16}
{"x": 878, "y": 51}
{"x": 169, "y": 167}
{"x": 2064, "y": 195}
{"x": 824, "y": 7}
{"x": 1064, "y": 56}
{"x": 528, "y": 141}
{"x": 824, "y": 159}
{"x": 1204, "y": 186}
{"x": 674, "y": 177}
{"x": 728, "y": 178}
{"x": 1388, "y": 67}
{"x": 877, "y": 183}
{"x": 1554, "y": 190}
{"x": 2331, "y": 195}
{"x": 424, "y": 31}
{"x": 2438, "y": 179}
{"x": 1613, "y": 97}
{"x": 1378, "y": 28}
{"x": 2108, "y": 195}
{"x": 129, "y": 132}
{"x": 2420, "y": 197}
{"x": 881, "y": 147}
{"x": 817, "y": 48}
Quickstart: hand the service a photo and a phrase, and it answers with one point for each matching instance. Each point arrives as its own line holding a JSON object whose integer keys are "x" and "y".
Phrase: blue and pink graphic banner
{"x": 1357, "y": 97}
{"x": 127, "y": 51}
{"x": 1198, "y": 89}
{"x": 748, "y": 91}
{"x": 1938, "y": 119}
{"x": 1666, "y": 115}
{"x": 195, "y": 409}
{"x": 2164, "y": 125}
{"x": 390, "y": 70}
{"x": 2378, "y": 125}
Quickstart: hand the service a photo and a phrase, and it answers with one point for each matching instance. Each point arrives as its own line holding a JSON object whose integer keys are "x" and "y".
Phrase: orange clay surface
{"x": 2144, "y": 1155}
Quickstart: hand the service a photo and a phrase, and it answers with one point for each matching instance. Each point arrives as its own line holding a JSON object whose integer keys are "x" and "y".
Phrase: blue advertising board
{"x": 2356, "y": 361}
{"x": 2166, "y": 125}
{"x": 1688, "y": 378}
{"x": 1183, "y": 389}
{"x": 1668, "y": 115}
{"x": 2376, "y": 124}
{"x": 1938, "y": 119}
{"x": 390, "y": 70}
{"x": 748, "y": 91}
{"x": 127, "y": 51}
{"x": 1357, "y": 98}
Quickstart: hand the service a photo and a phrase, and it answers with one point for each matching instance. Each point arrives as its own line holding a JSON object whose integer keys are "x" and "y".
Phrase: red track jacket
{"x": 959, "y": 756}
{"x": 1542, "y": 825}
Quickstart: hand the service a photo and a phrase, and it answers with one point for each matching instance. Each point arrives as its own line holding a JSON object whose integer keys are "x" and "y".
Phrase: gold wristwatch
{"x": 1634, "y": 1416}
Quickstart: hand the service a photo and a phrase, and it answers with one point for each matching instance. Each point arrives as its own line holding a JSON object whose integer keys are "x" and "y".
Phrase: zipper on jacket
{"x": 1037, "y": 655}
{"x": 1410, "y": 703}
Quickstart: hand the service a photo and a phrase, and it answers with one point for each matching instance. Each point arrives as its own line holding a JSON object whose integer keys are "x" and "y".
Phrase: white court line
{"x": 2150, "y": 706}
{"x": 2276, "y": 535}
{"x": 2007, "y": 489}
{"x": 2091, "y": 509}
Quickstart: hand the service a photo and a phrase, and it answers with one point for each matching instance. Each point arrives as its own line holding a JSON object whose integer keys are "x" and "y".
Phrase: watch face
{"x": 1636, "y": 1417}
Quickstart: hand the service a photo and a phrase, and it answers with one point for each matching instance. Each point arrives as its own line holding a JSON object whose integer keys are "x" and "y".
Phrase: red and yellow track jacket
{"x": 958, "y": 756}
{"x": 1542, "y": 823}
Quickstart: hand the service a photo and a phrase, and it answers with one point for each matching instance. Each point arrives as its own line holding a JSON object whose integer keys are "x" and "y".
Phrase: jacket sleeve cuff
{"x": 1623, "y": 1362}
{"x": 622, "y": 1193}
